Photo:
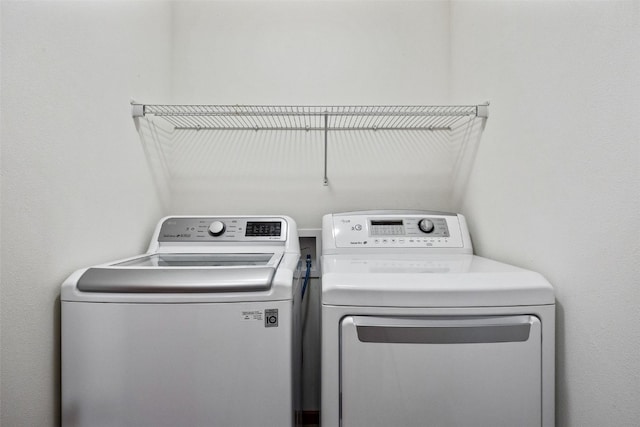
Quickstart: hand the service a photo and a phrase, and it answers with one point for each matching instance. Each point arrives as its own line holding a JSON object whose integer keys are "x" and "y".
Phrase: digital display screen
{"x": 385, "y": 222}
{"x": 263, "y": 228}
{"x": 386, "y": 227}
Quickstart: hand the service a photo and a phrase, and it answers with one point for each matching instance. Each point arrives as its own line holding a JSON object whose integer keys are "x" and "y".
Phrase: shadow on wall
{"x": 561, "y": 381}
{"x": 56, "y": 360}
{"x": 209, "y": 170}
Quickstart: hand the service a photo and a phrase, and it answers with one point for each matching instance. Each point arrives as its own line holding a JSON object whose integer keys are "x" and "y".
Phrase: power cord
{"x": 306, "y": 276}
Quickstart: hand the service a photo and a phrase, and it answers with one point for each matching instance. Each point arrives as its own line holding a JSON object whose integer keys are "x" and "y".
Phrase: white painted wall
{"x": 309, "y": 53}
{"x": 556, "y": 183}
{"x": 555, "y": 187}
{"x": 75, "y": 189}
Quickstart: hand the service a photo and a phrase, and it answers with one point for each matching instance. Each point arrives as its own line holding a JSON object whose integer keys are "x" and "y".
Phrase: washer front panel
{"x": 168, "y": 365}
{"x": 229, "y": 229}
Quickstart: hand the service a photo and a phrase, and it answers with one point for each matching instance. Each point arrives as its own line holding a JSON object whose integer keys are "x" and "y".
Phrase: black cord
{"x": 306, "y": 276}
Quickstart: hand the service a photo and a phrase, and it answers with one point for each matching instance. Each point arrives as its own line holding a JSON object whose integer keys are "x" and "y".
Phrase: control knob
{"x": 216, "y": 228}
{"x": 426, "y": 225}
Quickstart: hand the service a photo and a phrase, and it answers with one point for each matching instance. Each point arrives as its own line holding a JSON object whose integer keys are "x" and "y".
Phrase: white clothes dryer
{"x": 418, "y": 331}
{"x": 202, "y": 330}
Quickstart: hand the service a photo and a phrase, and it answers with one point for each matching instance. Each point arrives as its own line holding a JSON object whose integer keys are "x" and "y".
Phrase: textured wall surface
{"x": 75, "y": 188}
{"x": 311, "y": 53}
{"x": 556, "y": 183}
{"x": 555, "y": 187}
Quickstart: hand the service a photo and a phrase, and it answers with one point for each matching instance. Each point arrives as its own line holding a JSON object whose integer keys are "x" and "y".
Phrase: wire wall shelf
{"x": 313, "y": 118}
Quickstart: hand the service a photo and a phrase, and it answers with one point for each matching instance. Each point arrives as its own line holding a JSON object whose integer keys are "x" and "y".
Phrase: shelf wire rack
{"x": 313, "y": 118}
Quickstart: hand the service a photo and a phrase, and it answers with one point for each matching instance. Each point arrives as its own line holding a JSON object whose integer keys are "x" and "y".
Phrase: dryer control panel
{"x": 396, "y": 229}
{"x": 223, "y": 229}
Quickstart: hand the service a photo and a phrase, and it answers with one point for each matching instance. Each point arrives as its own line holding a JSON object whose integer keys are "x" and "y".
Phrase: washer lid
{"x": 180, "y": 273}
{"x": 184, "y": 260}
{"x": 429, "y": 281}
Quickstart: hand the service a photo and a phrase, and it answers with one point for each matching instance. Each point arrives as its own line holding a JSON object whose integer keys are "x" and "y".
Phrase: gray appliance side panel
{"x": 162, "y": 280}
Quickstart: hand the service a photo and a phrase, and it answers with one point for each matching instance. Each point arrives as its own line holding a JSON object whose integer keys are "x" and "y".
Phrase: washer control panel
{"x": 223, "y": 229}
{"x": 401, "y": 231}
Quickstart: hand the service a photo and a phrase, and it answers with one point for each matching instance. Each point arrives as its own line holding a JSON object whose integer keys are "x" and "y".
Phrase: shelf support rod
{"x": 326, "y": 133}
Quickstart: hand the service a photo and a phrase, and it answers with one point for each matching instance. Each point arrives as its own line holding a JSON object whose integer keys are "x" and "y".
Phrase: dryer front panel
{"x": 440, "y": 371}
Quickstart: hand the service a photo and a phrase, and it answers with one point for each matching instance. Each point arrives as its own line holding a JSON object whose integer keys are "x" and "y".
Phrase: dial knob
{"x": 426, "y": 225}
{"x": 216, "y": 228}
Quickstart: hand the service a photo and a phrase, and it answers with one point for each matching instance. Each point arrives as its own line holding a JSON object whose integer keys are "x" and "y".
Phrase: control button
{"x": 216, "y": 228}
{"x": 426, "y": 225}
{"x": 358, "y": 227}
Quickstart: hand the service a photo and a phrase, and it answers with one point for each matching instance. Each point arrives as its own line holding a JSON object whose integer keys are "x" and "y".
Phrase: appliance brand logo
{"x": 271, "y": 318}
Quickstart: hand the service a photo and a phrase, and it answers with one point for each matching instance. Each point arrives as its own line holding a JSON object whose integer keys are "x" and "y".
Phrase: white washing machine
{"x": 202, "y": 330}
{"x": 417, "y": 331}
